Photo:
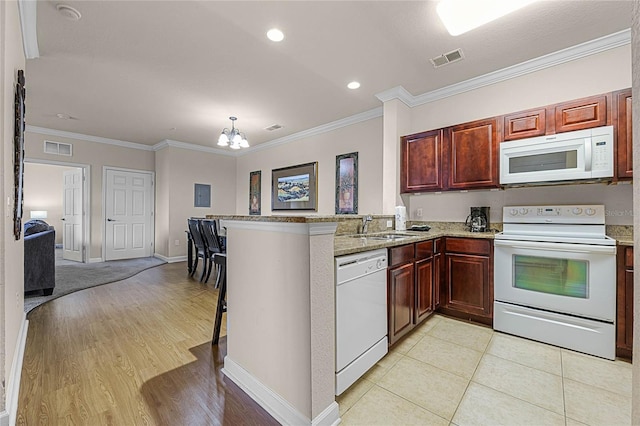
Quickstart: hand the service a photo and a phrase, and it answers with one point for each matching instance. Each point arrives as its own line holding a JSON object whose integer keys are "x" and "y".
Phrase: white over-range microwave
{"x": 583, "y": 154}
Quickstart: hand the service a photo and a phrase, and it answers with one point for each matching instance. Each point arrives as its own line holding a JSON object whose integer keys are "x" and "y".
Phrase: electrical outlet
{"x": 177, "y": 242}
{"x": 389, "y": 223}
{"x": 419, "y": 212}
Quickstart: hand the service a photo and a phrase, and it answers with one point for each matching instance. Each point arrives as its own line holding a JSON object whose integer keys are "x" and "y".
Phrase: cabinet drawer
{"x": 468, "y": 245}
{"x": 401, "y": 254}
{"x": 424, "y": 249}
{"x": 628, "y": 257}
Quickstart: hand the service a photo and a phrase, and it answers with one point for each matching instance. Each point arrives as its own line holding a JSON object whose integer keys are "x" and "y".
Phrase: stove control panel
{"x": 587, "y": 214}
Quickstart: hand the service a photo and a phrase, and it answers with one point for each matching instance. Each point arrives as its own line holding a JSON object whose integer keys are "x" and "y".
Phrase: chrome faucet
{"x": 365, "y": 223}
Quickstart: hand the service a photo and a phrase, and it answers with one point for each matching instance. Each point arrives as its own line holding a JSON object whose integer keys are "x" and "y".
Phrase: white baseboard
{"x": 96, "y": 260}
{"x": 273, "y": 403}
{"x": 8, "y": 417}
{"x": 174, "y": 259}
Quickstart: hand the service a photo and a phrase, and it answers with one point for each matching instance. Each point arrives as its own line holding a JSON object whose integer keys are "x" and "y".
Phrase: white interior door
{"x": 72, "y": 215}
{"x": 128, "y": 214}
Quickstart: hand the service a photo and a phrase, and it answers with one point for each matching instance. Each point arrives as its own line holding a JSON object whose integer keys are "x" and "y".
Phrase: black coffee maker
{"x": 478, "y": 219}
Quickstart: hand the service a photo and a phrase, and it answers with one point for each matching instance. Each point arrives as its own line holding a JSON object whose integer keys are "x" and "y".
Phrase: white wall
{"x": 96, "y": 155}
{"x": 43, "y": 190}
{"x": 364, "y": 138}
{"x": 591, "y": 75}
{"x": 177, "y": 170}
{"x": 11, "y": 252}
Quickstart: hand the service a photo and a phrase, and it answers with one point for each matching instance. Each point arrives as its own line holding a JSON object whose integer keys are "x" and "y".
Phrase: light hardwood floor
{"x": 135, "y": 352}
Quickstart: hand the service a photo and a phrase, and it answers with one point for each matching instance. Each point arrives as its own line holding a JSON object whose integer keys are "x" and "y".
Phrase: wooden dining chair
{"x": 215, "y": 246}
{"x": 200, "y": 246}
{"x": 218, "y": 257}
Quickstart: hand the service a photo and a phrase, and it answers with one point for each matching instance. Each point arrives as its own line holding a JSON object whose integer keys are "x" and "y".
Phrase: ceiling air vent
{"x": 273, "y": 127}
{"x": 447, "y": 58}
{"x": 58, "y": 148}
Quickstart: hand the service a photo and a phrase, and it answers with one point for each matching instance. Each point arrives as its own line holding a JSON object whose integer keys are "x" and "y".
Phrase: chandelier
{"x": 233, "y": 138}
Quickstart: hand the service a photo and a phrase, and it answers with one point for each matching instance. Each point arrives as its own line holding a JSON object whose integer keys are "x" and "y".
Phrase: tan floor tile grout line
{"x": 484, "y": 352}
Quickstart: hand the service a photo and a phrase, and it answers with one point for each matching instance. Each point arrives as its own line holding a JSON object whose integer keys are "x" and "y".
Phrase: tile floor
{"x": 449, "y": 372}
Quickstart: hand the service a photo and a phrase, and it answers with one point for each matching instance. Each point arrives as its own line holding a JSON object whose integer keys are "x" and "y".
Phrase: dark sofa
{"x": 39, "y": 257}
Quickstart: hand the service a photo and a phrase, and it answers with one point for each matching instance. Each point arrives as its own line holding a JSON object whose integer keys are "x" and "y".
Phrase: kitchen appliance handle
{"x": 588, "y": 157}
{"x": 559, "y": 247}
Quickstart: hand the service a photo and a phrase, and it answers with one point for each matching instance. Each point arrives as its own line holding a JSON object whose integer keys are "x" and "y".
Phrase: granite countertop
{"x": 349, "y": 244}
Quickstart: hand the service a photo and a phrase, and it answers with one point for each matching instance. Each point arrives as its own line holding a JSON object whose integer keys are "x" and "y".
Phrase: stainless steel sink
{"x": 383, "y": 237}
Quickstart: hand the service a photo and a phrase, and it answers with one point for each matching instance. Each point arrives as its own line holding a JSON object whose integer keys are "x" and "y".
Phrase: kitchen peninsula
{"x": 280, "y": 313}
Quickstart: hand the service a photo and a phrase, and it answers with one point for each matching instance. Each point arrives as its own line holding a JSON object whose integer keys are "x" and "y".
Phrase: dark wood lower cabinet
{"x": 624, "y": 296}
{"x": 401, "y": 289}
{"x": 468, "y": 279}
{"x": 410, "y": 283}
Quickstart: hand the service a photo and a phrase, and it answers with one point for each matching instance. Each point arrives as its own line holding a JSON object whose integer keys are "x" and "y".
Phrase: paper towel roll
{"x": 401, "y": 218}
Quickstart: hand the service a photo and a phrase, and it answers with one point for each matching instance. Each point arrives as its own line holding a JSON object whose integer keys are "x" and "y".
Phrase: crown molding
{"x": 184, "y": 145}
{"x": 397, "y": 92}
{"x": 166, "y": 143}
{"x": 28, "y": 25}
{"x": 88, "y": 138}
{"x": 328, "y": 127}
{"x": 569, "y": 54}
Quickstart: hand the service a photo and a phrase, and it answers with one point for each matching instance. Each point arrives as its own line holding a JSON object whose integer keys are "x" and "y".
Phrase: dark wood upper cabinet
{"x": 624, "y": 134}
{"x": 525, "y": 124}
{"x": 470, "y": 152}
{"x": 581, "y": 114}
{"x": 421, "y": 162}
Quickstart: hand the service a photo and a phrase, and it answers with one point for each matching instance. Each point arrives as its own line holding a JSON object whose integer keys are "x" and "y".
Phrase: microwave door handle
{"x": 587, "y": 155}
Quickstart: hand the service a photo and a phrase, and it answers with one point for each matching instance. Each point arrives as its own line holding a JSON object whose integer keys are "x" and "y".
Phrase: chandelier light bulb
{"x": 223, "y": 140}
{"x": 233, "y": 138}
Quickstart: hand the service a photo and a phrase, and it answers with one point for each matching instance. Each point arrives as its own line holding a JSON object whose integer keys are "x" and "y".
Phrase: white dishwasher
{"x": 361, "y": 314}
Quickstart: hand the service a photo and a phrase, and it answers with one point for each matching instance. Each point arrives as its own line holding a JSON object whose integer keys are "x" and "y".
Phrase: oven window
{"x": 541, "y": 162}
{"x": 563, "y": 277}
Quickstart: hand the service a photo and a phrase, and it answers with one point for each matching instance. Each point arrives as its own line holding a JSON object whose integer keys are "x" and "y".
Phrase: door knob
{"x": 111, "y": 220}
{"x": 63, "y": 219}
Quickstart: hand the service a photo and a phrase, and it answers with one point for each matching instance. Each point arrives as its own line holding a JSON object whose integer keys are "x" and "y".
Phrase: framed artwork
{"x": 347, "y": 183}
{"x": 295, "y": 187}
{"x": 18, "y": 158}
{"x": 255, "y": 192}
{"x": 201, "y": 195}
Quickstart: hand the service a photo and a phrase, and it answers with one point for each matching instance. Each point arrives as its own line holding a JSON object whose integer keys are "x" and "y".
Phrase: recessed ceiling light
{"x": 353, "y": 85}
{"x": 63, "y": 116}
{"x": 460, "y": 16}
{"x": 275, "y": 34}
{"x": 68, "y": 12}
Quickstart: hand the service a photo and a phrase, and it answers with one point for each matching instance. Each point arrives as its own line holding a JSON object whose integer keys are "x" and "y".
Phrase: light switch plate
{"x": 389, "y": 223}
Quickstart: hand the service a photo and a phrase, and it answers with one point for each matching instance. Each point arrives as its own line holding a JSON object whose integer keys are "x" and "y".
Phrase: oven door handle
{"x": 560, "y": 247}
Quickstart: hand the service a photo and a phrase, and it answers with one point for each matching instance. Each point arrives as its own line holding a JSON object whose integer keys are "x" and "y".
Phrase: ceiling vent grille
{"x": 447, "y": 58}
{"x": 273, "y": 127}
{"x": 58, "y": 148}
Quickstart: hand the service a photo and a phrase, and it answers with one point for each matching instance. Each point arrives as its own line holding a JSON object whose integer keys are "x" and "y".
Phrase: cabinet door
{"x": 424, "y": 289}
{"x": 624, "y": 320}
{"x": 421, "y": 162}
{"x": 437, "y": 273}
{"x": 624, "y": 134}
{"x": 401, "y": 301}
{"x": 525, "y": 124}
{"x": 581, "y": 114}
{"x": 471, "y": 152}
{"x": 467, "y": 284}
